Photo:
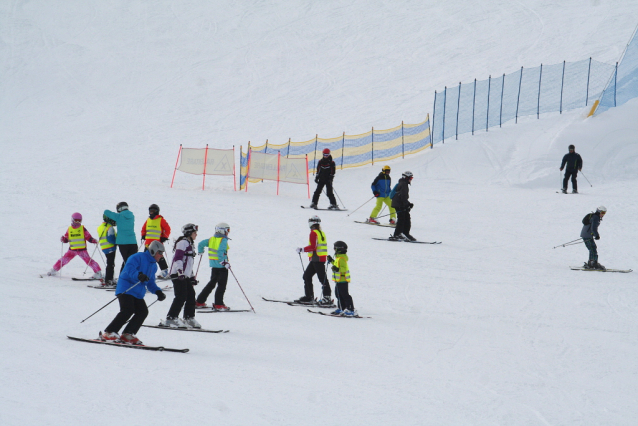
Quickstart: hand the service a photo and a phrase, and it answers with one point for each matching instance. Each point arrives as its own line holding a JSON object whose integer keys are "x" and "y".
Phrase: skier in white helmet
{"x": 218, "y": 261}
{"x": 589, "y": 233}
{"x": 317, "y": 250}
{"x": 401, "y": 203}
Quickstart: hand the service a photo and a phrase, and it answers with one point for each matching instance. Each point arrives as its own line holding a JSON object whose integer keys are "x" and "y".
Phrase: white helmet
{"x": 155, "y": 247}
{"x": 602, "y": 209}
{"x": 315, "y": 220}
{"x": 407, "y": 174}
{"x": 222, "y": 228}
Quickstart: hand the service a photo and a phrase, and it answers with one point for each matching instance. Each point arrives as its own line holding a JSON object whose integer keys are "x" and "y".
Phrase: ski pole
{"x": 587, "y": 179}
{"x": 387, "y": 214}
{"x": 302, "y": 268}
{"x": 572, "y": 244}
{"x": 61, "y": 256}
{"x": 87, "y": 265}
{"x": 569, "y": 243}
{"x": 242, "y": 290}
{"x": 335, "y": 191}
{"x": 361, "y": 206}
{"x": 200, "y": 262}
{"x": 108, "y": 303}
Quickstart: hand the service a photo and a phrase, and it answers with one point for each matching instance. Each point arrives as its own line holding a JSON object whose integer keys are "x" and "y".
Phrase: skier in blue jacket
{"x": 218, "y": 261}
{"x": 381, "y": 188}
{"x": 125, "y": 240}
{"x": 138, "y": 276}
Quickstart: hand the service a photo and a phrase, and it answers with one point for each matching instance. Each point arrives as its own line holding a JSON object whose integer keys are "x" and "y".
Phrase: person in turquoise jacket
{"x": 126, "y": 240}
{"x": 138, "y": 276}
{"x": 218, "y": 261}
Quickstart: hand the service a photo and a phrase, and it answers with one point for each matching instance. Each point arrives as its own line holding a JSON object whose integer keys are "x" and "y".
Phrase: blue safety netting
{"x": 623, "y": 85}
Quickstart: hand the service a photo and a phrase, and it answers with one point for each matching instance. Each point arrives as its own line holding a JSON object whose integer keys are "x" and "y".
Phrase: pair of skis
{"x": 389, "y": 225}
{"x": 293, "y": 303}
{"x": 580, "y": 268}
{"x": 332, "y": 210}
{"x": 127, "y": 345}
{"x": 408, "y": 241}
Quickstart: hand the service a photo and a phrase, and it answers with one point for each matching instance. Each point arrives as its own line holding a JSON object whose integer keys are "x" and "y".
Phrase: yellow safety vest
{"x": 103, "y": 231}
{"x": 153, "y": 229}
{"x": 213, "y": 247}
{"x": 340, "y": 276}
{"x": 76, "y": 238}
{"x": 322, "y": 244}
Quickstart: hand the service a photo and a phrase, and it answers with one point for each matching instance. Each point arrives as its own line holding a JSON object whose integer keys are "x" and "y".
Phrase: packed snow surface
{"x": 490, "y": 327}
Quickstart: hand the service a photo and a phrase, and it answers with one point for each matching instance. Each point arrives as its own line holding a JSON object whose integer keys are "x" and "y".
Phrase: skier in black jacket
{"x": 574, "y": 164}
{"x": 325, "y": 174}
{"x": 401, "y": 202}
{"x": 589, "y": 233}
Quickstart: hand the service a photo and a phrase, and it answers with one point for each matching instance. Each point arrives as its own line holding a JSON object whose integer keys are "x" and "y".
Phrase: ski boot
{"x": 192, "y": 322}
{"x": 393, "y": 222}
{"x": 599, "y": 267}
{"x": 350, "y": 313}
{"x": 313, "y": 206}
{"x": 324, "y": 301}
{"x": 564, "y": 190}
{"x": 130, "y": 339}
{"x": 409, "y": 237}
{"x": 372, "y": 220}
{"x": 173, "y": 323}
{"x": 574, "y": 191}
{"x": 109, "y": 337}
{"x": 337, "y": 312}
{"x": 333, "y": 207}
{"x": 201, "y": 305}
{"x": 53, "y": 273}
{"x": 309, "y": 300}
{"x": 98, "y": 276}
{"x": 221, "y": 308}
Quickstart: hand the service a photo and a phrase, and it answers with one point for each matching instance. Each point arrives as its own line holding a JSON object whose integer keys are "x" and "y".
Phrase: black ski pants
{"x": 573, "y": 174}
{"x": 320, "y": 185}
{"x": 126, "y": 250}
{"x": 404, "y": 222}
{"x": 110, "y": 265}
{"x": 343, "y": 296}
{"x": 184, "y": 298}
{"x": 318, "y": 268}
{"x": 129, "y": 306}
{"x": 593, "y": 250}
{"x": 219, "y": 278}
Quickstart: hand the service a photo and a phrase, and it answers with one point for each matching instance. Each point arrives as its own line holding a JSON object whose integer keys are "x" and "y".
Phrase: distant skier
{"x": 326, "y": 169}
{"x": 218, "y": 261}
{"x": 317, "y": 250}
{"x": 125, "y": 240}
{"x": 401, "y": 202}
{"x": 138, "y": 276}
{"x": 77, "y": 236}
{"x": 574, "y": 164}
{"x": 183, "y": 276}
{"x": 341, "y": 277}
{"x": 156, "y": 228}
{"x": 589, "y": 233}
{"x": 107, "y": 234}
{"x": 381, "y": 188}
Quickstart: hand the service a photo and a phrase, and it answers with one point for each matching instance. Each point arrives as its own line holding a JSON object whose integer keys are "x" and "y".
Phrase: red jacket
{"x": 166, "y": 230}
{"x": 313, "y": 245}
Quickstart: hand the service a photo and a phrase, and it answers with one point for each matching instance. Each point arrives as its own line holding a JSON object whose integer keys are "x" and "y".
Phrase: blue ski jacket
{"x": 125, "y": 226}
{"x": 223, "y": 250}
{"x": 139, "y": 262}
{"x": 382, "y": 184}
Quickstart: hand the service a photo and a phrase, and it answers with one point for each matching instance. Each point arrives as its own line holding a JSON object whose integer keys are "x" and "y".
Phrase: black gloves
{"x": 160, "y": 295}
{"x": 597, "y": 238}
{"x": 194, "y": 281}
{"x": 411, "y": 206}
{"x": 335, "y": 269}
{"x": 142, "y": 277}
{"x": 330, "y": 259}
{"x": 143, "y": 238}
{"x": 317, "y": 179}
{"x": 163, "y": 240}
{"x": 376, "y": 193}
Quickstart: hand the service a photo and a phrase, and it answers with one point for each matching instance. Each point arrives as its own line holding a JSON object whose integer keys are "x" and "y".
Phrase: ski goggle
{"x": 77, "y": 220}
{"x": 326, "y": 155}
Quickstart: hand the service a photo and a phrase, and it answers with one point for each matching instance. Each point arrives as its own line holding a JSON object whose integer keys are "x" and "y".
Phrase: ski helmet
{"x": 76, "y": 217}
{"x": 326, "y": 151}
{"x": 222, "y": 228}
{"x": 153, "y": 208}
{"x": 407, "y": 174}
{"x": 189, "y": 228}
{"x": 315, "y": 220}
{"x": 572, "y": 147}
{"x": 122, "y": 205}
{"x": 602, "y": 209}
{"x": 386, "y": 168}
{"x": 108, "y": 220}
{"x": 156, "y": 247}
{"x": 341, "y": 247}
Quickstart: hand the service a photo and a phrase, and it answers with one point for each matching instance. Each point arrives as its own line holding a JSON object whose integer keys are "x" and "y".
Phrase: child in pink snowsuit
{"x": 77, "y": 236}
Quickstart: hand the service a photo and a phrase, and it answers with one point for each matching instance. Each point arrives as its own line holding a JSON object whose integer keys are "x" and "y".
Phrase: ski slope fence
{"x": 347, "y": 150}
{"x": 276, "y": 167}
{"x": 488, "y": 103}
{"x": 623, "y": 85}
{"x": 205, "y": 161}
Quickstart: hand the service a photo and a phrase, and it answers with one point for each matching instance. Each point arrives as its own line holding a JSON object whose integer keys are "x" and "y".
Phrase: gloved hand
{"x": 299, "y": 250}
{"x": 163, "y": 240}
{"x": 93, "y": 241}
{"x": 597, "y": 238}
{"x": 317, "y": 179}
{"x": 143, "y": 238}
{"x": 376, "y": 193}
{"x": 335, "y": 269}
{"x": 194, "y": 281}
{"x": 330, "y": 259}
{"x": 561, "y": 169}
{"x": 180, "y": 275}
{"x": 64, "y": 239}
{"x": 411, "y": 206}
{"x": 332, "y": 178}
{"x": 226, "y": 264}
{"x": 160, "y": 295}
{"x": 142, "y": 277}
{"x": 200, "y": 252}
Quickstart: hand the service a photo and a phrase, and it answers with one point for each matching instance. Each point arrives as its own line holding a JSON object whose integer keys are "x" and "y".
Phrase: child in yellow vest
{"x": 341, "y": 277}
{"x": 77, "y": 236}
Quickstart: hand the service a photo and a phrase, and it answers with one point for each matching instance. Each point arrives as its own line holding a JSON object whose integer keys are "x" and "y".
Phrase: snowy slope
{"x": 491, "y": 327}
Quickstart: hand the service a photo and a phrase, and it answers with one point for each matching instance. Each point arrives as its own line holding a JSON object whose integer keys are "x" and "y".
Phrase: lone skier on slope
{"x": 317, "y": 250}
{"x": 589, "y": 233}
{"x": 381, "y": 188}
{"x": 574, "y": 164}
{"x": 401, "y": 202}
{"x": 326, "y": 169}
{"x": 138, "y": 276}
{"x": 77, "y": 236}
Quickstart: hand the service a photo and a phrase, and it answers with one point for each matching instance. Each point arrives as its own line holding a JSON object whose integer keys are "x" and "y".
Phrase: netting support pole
{"x": 315, "y": 160}
{"x": 473, "y": 105}
{"x": 562, "y": 82}
{"x": 588, "y": 74}
{"x": 278, "y": 168}
{"x": 308, "y": 180}
{"x": 518, "y": 100}
{"x": 458, "y": 107}
{"x": 444, "y": 108}
{"x": 343, "y": 147}
{"x": 433, "y": 118}
{"x": 176, "y": 161}
{"x": 234, "y": 175}
{"x": 205, "y": 161}
{"x": 265, "y": 152}
{"x": 250, "y": 150}
{"x": 500, "y": 117}
{"x": 373, "y": 146}
{"x": 430, "y": 132}
{"x": 615, "y": 82}
{"x": 538, "y": 105}
{"x": 288, "y": 153}
{"x": 487, "y": 116}
{"x": 402, "y": 142}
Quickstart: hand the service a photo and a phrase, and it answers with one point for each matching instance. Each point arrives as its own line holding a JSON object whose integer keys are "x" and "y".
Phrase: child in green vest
{"x": 341, "y": 277}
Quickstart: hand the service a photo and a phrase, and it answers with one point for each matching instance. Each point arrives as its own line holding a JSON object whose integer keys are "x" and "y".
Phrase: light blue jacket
{"x": 223, "y": 249}
{"x": 125, "y": 226}
{"x": 139, "y": 262}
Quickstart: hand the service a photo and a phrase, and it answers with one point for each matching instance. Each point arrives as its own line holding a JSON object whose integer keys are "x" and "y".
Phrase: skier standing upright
{"x": 574, "y": 164}
{"x": 77, "y": 236}
{"x": 107, "y": 234}
{"x": 589, "y": 233}
{"x": 125, "y": 240}
{"x": 401, "y": 202}
{"x": 341, "y": 277}
{"x": 381, "y": 188}
{"x": 317, "y": 250}
{"x": 156, "y": 228}
{"x": 218, "y": 261}
{"x": 326, "y": 170}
